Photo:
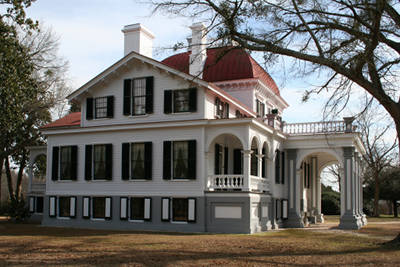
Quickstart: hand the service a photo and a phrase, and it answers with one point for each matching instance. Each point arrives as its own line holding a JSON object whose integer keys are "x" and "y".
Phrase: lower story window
{"x": 99, "y": 207}
{"x": 39, "y": 205}
{"x": 64, "y": 206}
{"x": 180, "y": 209}
{"x": 137, "y": 208}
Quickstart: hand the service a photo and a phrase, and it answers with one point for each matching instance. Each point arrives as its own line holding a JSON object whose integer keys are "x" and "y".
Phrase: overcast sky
{"x": 91, "y": 40}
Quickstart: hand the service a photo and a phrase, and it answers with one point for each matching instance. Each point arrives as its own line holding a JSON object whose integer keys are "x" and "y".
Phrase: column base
{"x": 294, "y": 221}
{"x": 320, "y": 218}
{"x": 350, "y": 222}
{"x": 312, "y": 219}
{"x": 364, "y": 219}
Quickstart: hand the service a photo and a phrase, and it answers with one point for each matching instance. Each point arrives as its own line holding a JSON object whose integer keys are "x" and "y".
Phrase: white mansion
{"x": 193, "y": 143}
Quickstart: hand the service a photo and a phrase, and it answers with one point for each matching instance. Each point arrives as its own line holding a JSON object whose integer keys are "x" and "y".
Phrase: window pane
{"x": 254, "y": 163}
{"x": 181, "y": 158}
{"x": 99, "y": 162}
{"x": 137, "y": 208}
{"x": 137, "y": 157}
{"x": 100, "y": 107}
{"x": 39, "y": 204}
{"x": 139, "y": 93}
{"x": 179, "y": 209}
{"x": 99, "y": 207}
{"x": 65, "y": 167}
{"x": 181, "y": 100}
{"x": 64, "y": 206}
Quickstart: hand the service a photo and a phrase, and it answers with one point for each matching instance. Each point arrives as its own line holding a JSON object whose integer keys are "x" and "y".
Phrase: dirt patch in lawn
{"x": 32, "y": 245}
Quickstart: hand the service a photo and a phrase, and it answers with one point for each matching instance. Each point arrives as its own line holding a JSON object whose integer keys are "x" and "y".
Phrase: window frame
{"x": 92, "y": 207}
{"x": 104, "y": 108}
{"x": 186, "y": 159}
{"x": 185, "y": 211}
{"x": 187, "y": 100}
{"x": 69, "y": 163}
{"x": 103, "y": 162}
{"x": 142, "y": 96}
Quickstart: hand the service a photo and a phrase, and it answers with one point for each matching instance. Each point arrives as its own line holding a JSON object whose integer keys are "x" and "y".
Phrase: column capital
{"x": 348, "y": 152}
{"x": 247, "y": 152}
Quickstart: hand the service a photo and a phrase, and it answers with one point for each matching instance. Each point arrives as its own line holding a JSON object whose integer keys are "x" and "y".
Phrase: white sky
{"x": 91, "y": 40}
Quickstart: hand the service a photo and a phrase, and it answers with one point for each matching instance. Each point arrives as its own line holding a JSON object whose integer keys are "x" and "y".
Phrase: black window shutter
{"x": 109, "y": 161}
{"x": 277, "y": 167}
{"x": 127, "y": 96}
{"x": 226, "y": 110}
{"x": 125, "y": 161}
{"x": 74, "y": 162}
{"x": 110, "y": 106}
{"x": 192, "y": 159}
{"x": 168, "y": 101}
{"x": 54, "y": 167}
{"x": 283, "y": 168}
{"x": 88, "y": 162}
{"x": 263, "y": 174}
{"x": 149, "y": 94}
{"x": 258, "y": 107}
{"x": 148, "y": 159}
{"x": 217, "y": 164}
{"x": 167, "y": 160}
{"x": 226, "y": 154}
{"x": 193, "y": 99}
{"x": 89, "y": 108}
{"x": 237, "y": 161}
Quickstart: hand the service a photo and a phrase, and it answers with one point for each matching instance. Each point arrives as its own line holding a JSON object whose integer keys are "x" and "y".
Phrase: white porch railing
{"x": 259, "y": 184}
{"x": 38, "y": 187}
{"x": 315, "y": 127}
{"x": 226, "y": 181}
{"x": 236, "y": 182}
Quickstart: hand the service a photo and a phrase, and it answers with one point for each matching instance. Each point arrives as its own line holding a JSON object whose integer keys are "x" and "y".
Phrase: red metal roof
{"x": 224, "y": 64}
{"x": 72, "y": 119}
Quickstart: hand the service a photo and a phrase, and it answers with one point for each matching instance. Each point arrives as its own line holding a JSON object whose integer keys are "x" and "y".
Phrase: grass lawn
{"x": 33, "y": 245}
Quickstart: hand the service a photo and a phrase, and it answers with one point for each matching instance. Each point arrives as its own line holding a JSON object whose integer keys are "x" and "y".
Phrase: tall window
{"x": 138, "y": 163}
{"x": 260, "y": 108}
{"x": 180, "y": 160}
{"x": 254, "y": 162}
{"x": 180, "y": 209}
{"x": 100, "y": 105}
{"x": 64, "y": 206}
{"x": 100, "y": 162}
{"x": 139, "y": 96}
{"x": 65, "y": 163}
{"x": 181, "y": 101}
{"x": 99, "y": 207}
{"x": 221, "y": 109}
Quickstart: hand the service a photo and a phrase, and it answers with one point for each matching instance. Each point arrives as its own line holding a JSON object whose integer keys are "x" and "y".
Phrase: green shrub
{"x": 17, "y": 209}
{"x": 330, "y": 202}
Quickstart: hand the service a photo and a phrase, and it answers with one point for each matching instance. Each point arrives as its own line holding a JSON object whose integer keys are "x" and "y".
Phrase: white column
{"x": 294, "y": 218}
{"x": 246, "y": 169}
{"x": 207, "y": 171}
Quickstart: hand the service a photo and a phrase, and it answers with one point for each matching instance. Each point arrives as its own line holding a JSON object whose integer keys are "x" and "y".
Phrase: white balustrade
{"x": 314, "y": 127}
{"x": 259, "y": 184}
{"x": 236, "y": 182}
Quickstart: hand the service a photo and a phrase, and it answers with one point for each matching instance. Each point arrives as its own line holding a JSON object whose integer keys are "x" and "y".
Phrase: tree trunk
{"x": 1, "y": 175}
{"x": 376, "y": 195}
{"x": 19, "y": 178}
{"x": 9, "y": 179}
{"x": 395, "y": 213}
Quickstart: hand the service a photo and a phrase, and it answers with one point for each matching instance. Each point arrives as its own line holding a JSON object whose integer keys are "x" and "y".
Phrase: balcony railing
{"x": 305, "y": 128}
{"x": 236, "y": 182}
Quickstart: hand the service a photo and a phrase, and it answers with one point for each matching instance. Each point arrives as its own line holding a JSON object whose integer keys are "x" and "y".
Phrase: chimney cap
{"x": 198, "y": 26}
{"x": 137, "y": 27}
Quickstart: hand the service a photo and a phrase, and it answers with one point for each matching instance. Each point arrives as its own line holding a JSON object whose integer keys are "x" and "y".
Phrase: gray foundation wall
{"x": 209, "y": 217}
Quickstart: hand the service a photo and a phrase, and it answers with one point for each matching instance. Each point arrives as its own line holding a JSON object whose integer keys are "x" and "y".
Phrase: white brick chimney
{"x": 199, "y": 49}
{"x": 139, "y": 39}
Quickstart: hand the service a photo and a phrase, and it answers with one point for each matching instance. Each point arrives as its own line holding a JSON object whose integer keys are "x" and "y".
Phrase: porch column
{"x": 320, "y": 216}
{"x": 294, "y": 218}
{"x": 349, "y": 220}
{"x": 30, "y": 176}
{"x": 246, "y": 169}
{"x": 208, "y": 172}
{"x": 360, "y": 181}
{"x": 314, "y": 211}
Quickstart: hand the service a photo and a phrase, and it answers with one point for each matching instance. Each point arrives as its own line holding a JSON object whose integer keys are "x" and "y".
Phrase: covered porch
{"x": 310, "y": 148}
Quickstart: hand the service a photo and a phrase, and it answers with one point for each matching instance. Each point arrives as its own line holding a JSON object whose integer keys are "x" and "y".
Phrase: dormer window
{"x": 138, "y": 96}
{"x": 221, "y": 109}
{"x": 99, "y": 107}
{"x": 182, "y": 100}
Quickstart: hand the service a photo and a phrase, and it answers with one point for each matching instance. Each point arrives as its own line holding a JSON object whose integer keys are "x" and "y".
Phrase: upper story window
{"x": 221, "y": 109}
{"x": 137, "y": 161}
{"x": 279, "y": 167}
{"x": 98, "y": 162}
{"x": 183, "y": 100}
{"x": 100, "y": 107}
{"x": 138, "y": 96}
{"x": 260, "y": 107}
{"x": 64, "y": 165}
{"x": 179, "y": 159}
